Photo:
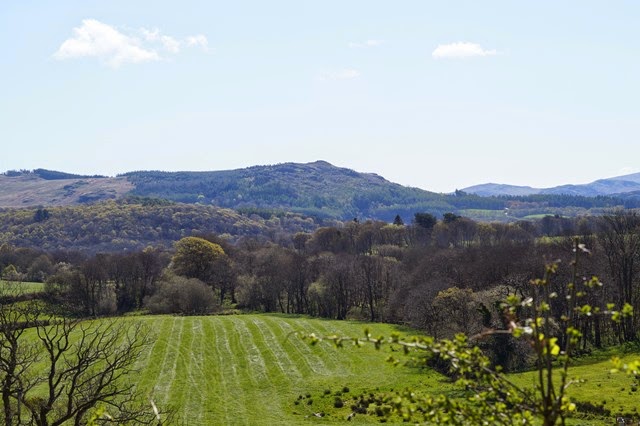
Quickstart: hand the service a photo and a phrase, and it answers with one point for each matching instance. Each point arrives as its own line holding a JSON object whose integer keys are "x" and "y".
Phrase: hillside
{"x": 31, "y": 189}
{"x": 250, "y": 370}
{"x": 319, "y": 190}
{"x": 112, "y": 226}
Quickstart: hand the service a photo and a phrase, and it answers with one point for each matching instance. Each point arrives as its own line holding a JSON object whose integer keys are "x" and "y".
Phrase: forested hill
{"x": 322, "y": 190}
{"x": 133, "y": 224}
{"x": 316, "y": 189}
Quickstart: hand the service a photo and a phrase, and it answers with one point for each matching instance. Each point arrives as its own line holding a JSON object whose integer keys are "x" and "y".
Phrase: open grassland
{"x": 247, "y": 370}
{"x": 250, "y": 370}
{"x": 18, "y": 287}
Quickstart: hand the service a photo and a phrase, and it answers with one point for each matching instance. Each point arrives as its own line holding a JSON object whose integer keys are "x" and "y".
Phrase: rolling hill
{"x": 319, "y": 190}
{"x": 316, "y": 189}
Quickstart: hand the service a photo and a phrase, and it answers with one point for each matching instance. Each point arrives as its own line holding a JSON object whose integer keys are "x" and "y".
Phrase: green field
{"x": 250, "y": 370}
{"x": 19, "y": 287}
{"x": 594, "y": 382}
{"x": 243, "y": 370}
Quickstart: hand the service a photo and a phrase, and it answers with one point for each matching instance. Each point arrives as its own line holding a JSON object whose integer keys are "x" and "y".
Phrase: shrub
{"x": 179, "y": 295}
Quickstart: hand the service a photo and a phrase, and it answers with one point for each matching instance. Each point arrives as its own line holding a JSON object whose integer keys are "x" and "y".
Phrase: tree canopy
{"x": 195, "y": 258}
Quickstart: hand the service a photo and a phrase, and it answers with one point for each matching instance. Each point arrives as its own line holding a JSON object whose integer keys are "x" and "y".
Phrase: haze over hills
{"x": 615, "y": 186}
{"x": 316, "y": 189}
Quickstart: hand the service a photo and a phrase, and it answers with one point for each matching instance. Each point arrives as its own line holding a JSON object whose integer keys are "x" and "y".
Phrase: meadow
{"x": 250, "y": 370}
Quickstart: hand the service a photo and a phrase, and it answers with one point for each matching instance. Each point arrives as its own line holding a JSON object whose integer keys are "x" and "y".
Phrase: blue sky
{"x": 438, "y": 95}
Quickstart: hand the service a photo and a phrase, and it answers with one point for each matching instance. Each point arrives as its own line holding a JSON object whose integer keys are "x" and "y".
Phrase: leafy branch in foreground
{"x": 489, "y": 397}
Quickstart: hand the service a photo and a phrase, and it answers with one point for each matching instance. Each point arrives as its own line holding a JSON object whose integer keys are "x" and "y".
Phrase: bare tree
{"x": 58, "y": 372}
{"x": 620, "y": 239}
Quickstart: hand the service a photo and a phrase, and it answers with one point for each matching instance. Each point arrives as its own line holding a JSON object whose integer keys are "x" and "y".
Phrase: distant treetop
{"x": 49, "y": 174}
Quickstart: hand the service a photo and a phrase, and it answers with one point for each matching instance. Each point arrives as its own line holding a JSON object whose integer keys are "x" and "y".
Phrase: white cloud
{"x": 114, "y": 48}
{"x": 170, "y": 44}
{"x": 100, "y": 40}
{"x": 198, "y": 40}
{"x": 367, "y": 43}
{"x": 461, "y": 50}
{"x": 345, "y": 74}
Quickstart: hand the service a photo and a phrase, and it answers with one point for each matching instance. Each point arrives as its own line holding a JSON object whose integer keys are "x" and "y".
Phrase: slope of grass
{"x": 592, "y": 381}
{"x": 249, "y": 370}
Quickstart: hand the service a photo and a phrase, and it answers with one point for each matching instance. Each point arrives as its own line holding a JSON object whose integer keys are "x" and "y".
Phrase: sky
{"x": 439, "y": 95}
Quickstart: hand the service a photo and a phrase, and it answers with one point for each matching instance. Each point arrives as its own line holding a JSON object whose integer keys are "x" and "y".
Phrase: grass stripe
{"x": 310, "y": 362}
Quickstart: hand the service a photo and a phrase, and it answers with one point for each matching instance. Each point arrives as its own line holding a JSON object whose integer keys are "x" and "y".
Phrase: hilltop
{"x": 318, "y": 189}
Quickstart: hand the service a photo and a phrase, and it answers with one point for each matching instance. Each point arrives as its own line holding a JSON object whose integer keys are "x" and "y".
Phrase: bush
{"x": 180, "y": 295}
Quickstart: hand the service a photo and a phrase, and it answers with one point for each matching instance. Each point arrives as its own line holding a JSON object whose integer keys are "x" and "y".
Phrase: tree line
{"x": 440, "y": 275}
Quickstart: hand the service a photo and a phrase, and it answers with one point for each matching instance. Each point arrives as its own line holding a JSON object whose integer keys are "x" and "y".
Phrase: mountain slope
{"x": 317, "y": 188}
{"x": 30, "y": 189}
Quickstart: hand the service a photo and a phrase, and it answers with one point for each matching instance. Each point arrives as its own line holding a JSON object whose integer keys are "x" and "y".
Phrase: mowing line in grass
{"x": 181, "y": 385}
{"x": 168, "y": 369}
{"x": 290, "y": 370}
{"x": 240, "y": 370}
{"x": 156, "y": 357}
{"x": 231, "y": 387}
{"x": 311, "y": 363}
{"x": 256, "y": 361}
{"x": 216, "y": 410}
{"x": 196, "y": 373}
{"x": 337, "y": 364}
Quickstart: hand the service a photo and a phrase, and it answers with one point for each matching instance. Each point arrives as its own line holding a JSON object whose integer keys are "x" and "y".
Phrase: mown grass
{"x": 250, "y": 369}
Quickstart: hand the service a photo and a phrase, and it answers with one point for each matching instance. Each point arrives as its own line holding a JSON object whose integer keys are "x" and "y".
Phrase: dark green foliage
{"x": 55, "y": 175}
{"x": 450, "y": 217}
{"x": 41, "y": 215}
{"x": 425, "y": 220}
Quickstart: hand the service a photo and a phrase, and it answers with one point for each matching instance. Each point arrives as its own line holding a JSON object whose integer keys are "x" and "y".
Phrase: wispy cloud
{"x": 344, "y": 74}
{"x": 627, "y": 171}
{"x": 198, "y": 40}
{"x": 461, "y": 50}
{"x": 114, "y": 47}
{"x": 364, "y": 44}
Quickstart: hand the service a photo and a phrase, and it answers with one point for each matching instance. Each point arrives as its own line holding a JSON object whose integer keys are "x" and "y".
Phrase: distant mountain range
{"x": 316, "y": 189}
{"x": 621, "y": 186}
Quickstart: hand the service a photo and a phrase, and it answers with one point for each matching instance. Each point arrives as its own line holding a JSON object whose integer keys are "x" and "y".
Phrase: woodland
{"x": 442, "y": 276}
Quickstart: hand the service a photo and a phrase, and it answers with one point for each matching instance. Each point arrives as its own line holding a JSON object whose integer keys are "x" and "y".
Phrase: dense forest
{"x": 135, "y": 223}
